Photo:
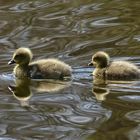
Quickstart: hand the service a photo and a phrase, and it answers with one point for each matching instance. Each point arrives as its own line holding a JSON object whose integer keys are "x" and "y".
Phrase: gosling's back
{"x": 122, "y": 70}
{"x": 49, "y": 69}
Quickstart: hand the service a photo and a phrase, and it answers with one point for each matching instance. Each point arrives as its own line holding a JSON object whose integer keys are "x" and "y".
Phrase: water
{"x": 71, "y": 30}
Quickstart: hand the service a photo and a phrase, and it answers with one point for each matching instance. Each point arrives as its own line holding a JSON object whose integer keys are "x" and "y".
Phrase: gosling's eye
{"x": 95, "y": 58}
{"x": 19, "y": 56}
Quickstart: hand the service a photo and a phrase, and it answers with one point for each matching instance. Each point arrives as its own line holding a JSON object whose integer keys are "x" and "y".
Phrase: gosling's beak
{"x": 11, "y": 88}
{"x": 90, "y": 64}
{"x": 11, "y": 62}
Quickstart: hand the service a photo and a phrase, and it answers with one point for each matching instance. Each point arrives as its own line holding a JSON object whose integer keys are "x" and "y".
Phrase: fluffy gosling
{"x": 40, "y": 69}
{"x": 116, "y": 70}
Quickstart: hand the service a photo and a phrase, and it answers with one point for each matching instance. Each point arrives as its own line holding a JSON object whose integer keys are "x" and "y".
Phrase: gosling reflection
{"x": 21, "y": 91}
{"x": 49, "y": 85}
{"x": 23, "y": 88}
{"x": 100, "y": 92}
{"x": 99, "y": 88}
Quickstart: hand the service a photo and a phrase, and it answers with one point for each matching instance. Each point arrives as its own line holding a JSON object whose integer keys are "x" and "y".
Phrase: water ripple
{"x": 71, "y": 31}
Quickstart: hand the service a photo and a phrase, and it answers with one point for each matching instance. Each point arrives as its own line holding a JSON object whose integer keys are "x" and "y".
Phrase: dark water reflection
{"x": 71, "y": 30}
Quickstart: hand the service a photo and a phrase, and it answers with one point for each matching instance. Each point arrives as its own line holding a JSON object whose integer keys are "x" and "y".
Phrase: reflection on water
{"x": 71, "y": 30}
{"x": 100, "y": 93}
{"x": 49, "y": 85}
{"x": 22, "y": 90}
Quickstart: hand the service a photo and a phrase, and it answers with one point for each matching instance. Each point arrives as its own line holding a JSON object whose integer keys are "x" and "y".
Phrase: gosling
{"x": 40, "y": 69}
{"x": 117, "y": 70}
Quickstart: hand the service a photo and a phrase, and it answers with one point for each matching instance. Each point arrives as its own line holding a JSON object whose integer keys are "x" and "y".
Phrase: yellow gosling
{"x": 40, "y": 69}
{"x": 116, "y": 70}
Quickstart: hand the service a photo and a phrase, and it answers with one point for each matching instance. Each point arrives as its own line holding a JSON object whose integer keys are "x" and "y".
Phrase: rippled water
{"x": 71, "y": 30}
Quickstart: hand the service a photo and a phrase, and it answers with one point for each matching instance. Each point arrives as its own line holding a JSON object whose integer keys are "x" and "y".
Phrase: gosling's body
{"x": 116, "y": 70}
{"x": 40, "y": 69}
{"x": 49, "y": 68}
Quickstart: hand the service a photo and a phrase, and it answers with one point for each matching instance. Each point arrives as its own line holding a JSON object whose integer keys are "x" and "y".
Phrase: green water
{"x": 71, "y": 30}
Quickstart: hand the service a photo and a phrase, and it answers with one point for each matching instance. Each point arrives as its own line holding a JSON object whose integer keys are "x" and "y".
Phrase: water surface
{"x": 71, "y": 30}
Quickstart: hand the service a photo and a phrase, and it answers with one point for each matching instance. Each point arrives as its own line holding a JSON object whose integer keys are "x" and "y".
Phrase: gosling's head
{"x": 21, "y": 56}
{"x": 100, "y": 60}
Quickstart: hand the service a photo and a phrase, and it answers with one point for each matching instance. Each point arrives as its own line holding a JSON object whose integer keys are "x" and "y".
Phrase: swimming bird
{"x": 41, "y": 69}
{"x": 116, "y": 70}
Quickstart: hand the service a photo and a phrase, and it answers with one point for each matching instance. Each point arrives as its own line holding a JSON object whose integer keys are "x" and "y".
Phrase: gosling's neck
{"x": 21, "y": 70}
{"x": 23, "y": 64}
{"x": 102, "y": 65}
{"x": 100, "y": 71}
